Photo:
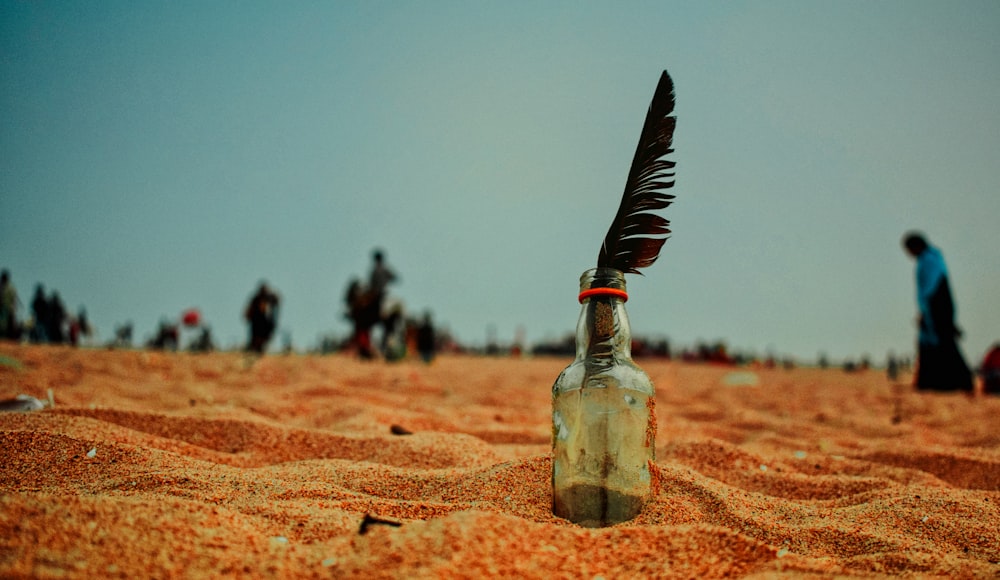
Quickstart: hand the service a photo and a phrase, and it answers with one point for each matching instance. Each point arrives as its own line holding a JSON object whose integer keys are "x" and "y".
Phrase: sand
{"x": 182, "y": 465}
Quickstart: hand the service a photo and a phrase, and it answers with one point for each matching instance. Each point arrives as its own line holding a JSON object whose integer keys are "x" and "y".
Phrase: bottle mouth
{"x": 615, "y": 292}
{"x": 602, "y": 281}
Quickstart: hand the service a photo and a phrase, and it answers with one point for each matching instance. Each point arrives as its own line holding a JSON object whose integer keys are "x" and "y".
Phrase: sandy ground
{"x": 180, "y": 465}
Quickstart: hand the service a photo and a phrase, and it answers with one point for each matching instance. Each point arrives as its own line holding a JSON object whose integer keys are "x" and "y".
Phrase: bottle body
{"x": 603, "y": 416}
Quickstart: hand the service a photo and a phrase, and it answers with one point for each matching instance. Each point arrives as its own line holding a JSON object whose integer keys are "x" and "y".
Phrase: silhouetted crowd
{"x": 49, "y": 322}
{"x": 370, "y": 309}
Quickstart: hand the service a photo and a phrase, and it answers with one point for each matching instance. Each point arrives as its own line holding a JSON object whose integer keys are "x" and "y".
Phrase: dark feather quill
{"x": 636, "y": 234}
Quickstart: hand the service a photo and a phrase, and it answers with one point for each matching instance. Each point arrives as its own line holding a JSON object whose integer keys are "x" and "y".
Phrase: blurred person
{"x": 9, "y": 326}
{"x": 940, "y": 364}
{"x": 380, "y": 278}
{"x": 79, "y": 326}
{"x": 990, "y": 370}
{"x": 56, "y": 319}
{"x": 394, "y": 337}
{"x": 892, "y": 367}
{"x": 262, "y": 315}
{"x": 204, "y": 342}
{"x": 73, "y": 331}
{"x": 363, "y": 314}
{"x": 381, "y": 275}
{"x": 40, "y": 315}
{"x": 167, "y": 336}
{"x": 426, "y": 344}
{"x": 123, "y": 336}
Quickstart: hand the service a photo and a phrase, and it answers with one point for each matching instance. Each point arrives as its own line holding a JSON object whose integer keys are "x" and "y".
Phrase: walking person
{"x": 262, "y": 315}
{"x": 40, "y": 316}
{"x": 940, "y": 364}
{"x": 379, "y": 280}
{"x": 56, "y": 320}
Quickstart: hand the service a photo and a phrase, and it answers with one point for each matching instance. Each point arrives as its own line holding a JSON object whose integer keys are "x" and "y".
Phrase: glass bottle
{"x": 603, "y": 417}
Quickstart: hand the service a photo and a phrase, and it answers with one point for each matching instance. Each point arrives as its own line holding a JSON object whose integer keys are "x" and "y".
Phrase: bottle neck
{"x": 603, "y": 333}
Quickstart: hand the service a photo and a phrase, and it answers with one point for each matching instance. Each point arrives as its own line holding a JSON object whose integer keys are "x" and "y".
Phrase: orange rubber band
{"x": 604, "y": 292}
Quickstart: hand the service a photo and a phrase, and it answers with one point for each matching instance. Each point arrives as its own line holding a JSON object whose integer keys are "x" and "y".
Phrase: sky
{"x": 158, "y": 156}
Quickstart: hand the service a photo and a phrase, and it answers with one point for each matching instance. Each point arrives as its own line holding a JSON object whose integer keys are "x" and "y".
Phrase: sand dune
{"x": 178, "y": 465}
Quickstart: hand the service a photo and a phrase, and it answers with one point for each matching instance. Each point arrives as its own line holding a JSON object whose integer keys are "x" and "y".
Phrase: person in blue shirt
{"x": 940, "y": 364}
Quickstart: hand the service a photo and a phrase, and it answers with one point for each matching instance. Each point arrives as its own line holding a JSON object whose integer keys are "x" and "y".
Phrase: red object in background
{"x": 990, "y": 370}
{"x": 191, "y": 317}
{"x": 991, "y": 362}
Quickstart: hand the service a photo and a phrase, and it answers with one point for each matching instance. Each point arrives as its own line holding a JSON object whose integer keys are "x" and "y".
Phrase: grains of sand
{"x": 162, "y": 465}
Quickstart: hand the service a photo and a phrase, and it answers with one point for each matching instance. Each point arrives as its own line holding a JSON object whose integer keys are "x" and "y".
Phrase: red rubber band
{"x": 604, "y": 292}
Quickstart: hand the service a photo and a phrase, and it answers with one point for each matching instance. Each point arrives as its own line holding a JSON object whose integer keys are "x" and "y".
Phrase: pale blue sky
{"x": 156, "y": 156}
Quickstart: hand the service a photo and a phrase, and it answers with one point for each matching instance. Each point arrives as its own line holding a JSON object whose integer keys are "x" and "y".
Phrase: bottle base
{"x": 594, "y": 506}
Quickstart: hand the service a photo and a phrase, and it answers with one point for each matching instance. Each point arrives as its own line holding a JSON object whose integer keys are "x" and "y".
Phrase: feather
{"x": 636, "y": 235}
